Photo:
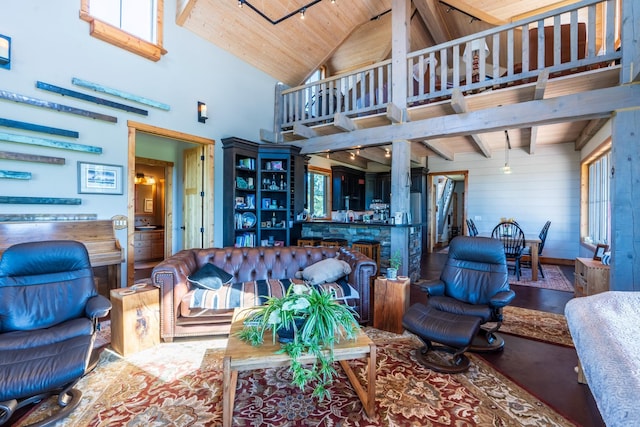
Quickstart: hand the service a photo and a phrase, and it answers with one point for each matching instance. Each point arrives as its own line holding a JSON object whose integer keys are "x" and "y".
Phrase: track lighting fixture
{"x": 301, "y": 11}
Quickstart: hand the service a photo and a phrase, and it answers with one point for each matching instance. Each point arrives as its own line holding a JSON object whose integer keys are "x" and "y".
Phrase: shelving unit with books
{"x": 274, "y": 195}
{"x": 240, "y": 193}
{"x": 276, "y": 205}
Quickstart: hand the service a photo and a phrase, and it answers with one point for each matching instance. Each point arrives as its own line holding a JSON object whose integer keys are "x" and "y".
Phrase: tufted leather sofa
{"x": 246, "y": 264}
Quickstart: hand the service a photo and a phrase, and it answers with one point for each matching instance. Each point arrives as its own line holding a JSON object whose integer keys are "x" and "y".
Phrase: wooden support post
{"x": 625, "y": 224}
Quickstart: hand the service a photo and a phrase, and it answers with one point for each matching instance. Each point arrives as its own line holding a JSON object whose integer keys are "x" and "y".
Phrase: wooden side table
{"x": 391, "y": 300}
{"x": 135, "y": 318}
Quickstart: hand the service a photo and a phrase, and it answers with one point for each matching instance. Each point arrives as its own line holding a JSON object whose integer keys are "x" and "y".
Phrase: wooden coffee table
{"x": 241, "y": 356}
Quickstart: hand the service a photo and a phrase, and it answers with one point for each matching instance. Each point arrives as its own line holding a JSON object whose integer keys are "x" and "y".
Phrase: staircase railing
{"x": 581, "y": 36}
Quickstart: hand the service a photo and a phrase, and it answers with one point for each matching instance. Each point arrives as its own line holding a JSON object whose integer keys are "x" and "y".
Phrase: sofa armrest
{"x": 170, "y": 276}
{"x": 363, "y": 269}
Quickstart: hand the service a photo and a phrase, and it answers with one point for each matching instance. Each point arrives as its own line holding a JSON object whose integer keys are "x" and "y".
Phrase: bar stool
{"x": 309, "y": 241}
{"x": 334, "y": 241}
{"x": 370, "y": 248}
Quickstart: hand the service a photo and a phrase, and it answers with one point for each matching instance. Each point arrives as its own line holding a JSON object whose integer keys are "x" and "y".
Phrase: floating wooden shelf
{"x": 90, "y": 98}
{"x": 38, "y": 128}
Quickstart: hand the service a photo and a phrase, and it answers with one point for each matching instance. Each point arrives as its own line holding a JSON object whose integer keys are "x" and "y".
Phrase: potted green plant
{"x": 394, "y": 265}
{"x": 317, "y": 321}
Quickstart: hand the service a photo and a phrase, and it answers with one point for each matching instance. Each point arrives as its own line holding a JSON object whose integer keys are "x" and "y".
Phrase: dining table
{"x": 532, "y": 241}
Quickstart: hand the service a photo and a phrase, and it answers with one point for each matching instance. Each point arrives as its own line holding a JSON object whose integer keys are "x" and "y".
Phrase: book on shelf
{"x": 247, "y": 163}
{"x": 245, "y": 240}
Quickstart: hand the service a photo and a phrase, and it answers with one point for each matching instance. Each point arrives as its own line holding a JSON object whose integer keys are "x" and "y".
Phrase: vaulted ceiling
{"x": 345, "y": 35}
{"x": 342, "y": 35}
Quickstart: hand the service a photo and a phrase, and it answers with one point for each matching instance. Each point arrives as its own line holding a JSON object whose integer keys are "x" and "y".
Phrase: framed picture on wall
{"x": 599, "y": 252}
{"x": 97, "y": 178}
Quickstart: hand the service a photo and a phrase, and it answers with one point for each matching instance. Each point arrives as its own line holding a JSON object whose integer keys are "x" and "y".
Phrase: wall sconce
{"x": 202, "y": 112}
{"x": 142, "y": 179}
{"x": 387, "y": 153}
{"x": 5, "y": 52}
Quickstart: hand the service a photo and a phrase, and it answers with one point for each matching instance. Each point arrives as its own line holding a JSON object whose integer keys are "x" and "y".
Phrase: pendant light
{"x": 507, "y": 147}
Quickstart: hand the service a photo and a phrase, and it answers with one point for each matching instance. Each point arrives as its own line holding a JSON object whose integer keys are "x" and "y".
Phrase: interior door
{"x": 193, "y": 201}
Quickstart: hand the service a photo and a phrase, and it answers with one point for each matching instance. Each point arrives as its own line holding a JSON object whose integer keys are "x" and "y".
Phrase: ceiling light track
{"x": 375, "y": 18}
{"x": 450, "y": 8}
{"x": 301, "y": 11}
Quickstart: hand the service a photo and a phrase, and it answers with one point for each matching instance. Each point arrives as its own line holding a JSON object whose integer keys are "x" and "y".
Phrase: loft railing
{"x": 572, "y": 39}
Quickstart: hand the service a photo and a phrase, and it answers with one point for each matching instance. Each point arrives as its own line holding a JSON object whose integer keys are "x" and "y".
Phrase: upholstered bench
{"x": 455, "y": 331}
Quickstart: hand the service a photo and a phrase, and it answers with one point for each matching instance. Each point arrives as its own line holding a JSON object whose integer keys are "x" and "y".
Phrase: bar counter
{"x": 379, "y": 231}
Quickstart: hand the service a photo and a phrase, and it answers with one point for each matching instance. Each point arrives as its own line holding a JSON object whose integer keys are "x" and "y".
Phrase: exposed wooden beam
{"x": 464, "y": 6}
{"x": 460, "y": 106}
{"x": 439, "y": 149}
{"x": 538, "y": 93}
{"x": 435, "y": 23}
{"x": 342, "y": 122}
{"x": 541, "y": 10}
{"x": 304, "y": 131}
{"x": 595, "y": 104}
{"x": 345, "y": 157}
{"x": 376, "y": 154}
{"x": 589, "y": 131}
{"x": 395, "y": 114}
{"x": 268, "y": 136}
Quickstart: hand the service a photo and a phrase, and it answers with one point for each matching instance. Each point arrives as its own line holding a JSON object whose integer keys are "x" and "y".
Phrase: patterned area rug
{"x": 537, "y": 325}
{"x": 554, "y": 279}
{"x": 180, "y": 384}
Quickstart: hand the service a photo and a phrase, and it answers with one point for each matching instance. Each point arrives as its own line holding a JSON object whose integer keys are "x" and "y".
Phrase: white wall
{"x": 51, "y": 44}
{"x": 544, "y": 186}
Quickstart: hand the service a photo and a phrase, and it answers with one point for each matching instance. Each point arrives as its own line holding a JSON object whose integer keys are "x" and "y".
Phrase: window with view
{"x": 598, "y": 203}
{"x": 134, "y": 16}
{"x": 318, "y": 192}
{"x": 134, "y": 25}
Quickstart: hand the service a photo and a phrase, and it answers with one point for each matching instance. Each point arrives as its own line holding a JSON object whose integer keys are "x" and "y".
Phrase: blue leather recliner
{"x": 464, "y": 307}
{"x": 49, "y": 311}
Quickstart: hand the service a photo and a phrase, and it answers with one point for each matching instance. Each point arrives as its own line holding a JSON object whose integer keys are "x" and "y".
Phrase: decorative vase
{"x": 392, "y": 273}
{"x": 287, "y": 335}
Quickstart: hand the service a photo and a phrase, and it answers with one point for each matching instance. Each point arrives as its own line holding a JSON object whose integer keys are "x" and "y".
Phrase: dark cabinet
{"x": 382, "y": 189}
{"x": 348, "y": 188}
{"x": 263, "y": 191}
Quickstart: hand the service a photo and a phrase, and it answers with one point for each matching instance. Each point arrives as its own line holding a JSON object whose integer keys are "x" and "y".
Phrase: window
{"x": 133, "y": 25}
{"x": 319, "y": 192}
{"x": 598, "y": 224}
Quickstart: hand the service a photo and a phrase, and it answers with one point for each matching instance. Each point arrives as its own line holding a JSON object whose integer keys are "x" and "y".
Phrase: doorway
{"x": 447, "y": 207}
{"x": 206, "y": 165}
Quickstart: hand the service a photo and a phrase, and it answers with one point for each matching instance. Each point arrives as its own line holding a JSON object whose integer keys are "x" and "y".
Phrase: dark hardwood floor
{"x": 545, "y": 370}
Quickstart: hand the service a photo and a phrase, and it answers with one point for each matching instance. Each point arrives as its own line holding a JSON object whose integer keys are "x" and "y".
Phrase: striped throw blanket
{"x": 250, "y": 294}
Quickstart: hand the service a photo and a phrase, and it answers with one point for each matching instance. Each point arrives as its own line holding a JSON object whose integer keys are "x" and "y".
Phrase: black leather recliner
{"x": 49, "y": 311}
{"x": 472, "y": 290}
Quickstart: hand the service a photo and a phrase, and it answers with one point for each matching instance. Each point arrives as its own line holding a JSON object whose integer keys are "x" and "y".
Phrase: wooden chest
{"x": 135, "y": 319}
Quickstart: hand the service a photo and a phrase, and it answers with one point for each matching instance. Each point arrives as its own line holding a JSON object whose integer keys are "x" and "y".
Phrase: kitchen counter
{"x": 378, "y": 231}
{"x": 359, "y": 223}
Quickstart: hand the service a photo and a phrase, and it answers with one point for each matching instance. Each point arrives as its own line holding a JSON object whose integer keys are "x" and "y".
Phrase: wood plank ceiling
{"x": 348, "y": 34}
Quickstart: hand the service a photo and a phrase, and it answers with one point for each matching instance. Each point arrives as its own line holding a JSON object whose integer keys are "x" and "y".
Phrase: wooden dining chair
{"x": 527, "y": 251}
{"x": 471, "y": 226}
{"x": 512, "y": 238}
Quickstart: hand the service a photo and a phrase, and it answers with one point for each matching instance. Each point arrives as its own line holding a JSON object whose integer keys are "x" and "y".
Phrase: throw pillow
{"x": 209, "y": 277}
{"x": 327, "y": 270}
